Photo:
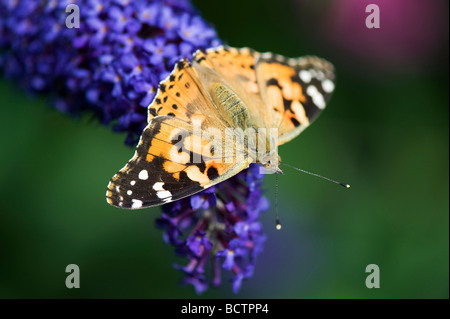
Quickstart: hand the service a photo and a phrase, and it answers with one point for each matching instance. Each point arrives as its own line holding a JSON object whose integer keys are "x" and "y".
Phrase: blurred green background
{"x": 385, "y": 132}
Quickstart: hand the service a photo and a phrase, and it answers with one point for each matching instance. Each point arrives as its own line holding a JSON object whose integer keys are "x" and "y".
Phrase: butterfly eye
{"x": 271, "y": 167}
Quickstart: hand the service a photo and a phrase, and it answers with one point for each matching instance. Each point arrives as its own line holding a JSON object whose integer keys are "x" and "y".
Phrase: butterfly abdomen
{"x": 231, "y": 104}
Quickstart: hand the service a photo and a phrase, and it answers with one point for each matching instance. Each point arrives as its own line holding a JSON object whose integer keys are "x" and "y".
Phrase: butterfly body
{"x": 232, "y": 105}
{"x": 214, "y": 116}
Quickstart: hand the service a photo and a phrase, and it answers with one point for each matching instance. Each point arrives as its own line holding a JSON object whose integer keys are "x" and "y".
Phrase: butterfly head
{"x": 271, "y": 165}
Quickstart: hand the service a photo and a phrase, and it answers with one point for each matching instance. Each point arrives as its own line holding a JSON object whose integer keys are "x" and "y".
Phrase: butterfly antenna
{"x": 317, "y": 175}
{"x": 277, "y": 218}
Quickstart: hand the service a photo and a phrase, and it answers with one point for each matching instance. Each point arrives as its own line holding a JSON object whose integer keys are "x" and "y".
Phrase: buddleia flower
{"x": 111, "y": 67}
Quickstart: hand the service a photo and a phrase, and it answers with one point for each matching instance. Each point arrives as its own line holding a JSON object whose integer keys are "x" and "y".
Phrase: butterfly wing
{"x": 279, "y": 92}
{"x": 234, "y": 68}
{"x": 296, "y": 91}
{"x": 181, "y": 95}
{"x": 173, "y": 159}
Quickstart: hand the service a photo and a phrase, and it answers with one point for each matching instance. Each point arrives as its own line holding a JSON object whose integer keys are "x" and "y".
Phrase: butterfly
{"x": 223, "y": 90}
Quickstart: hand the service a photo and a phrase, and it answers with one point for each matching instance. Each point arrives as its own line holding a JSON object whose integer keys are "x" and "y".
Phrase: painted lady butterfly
{"x": 221, "y": 88}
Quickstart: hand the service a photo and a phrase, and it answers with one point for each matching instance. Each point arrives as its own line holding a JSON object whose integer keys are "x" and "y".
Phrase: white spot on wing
{"x": 163, "y": 194}
{"x": 136, "y": 203}
{"x": 305, "y": 76}
{"x": 129, "y": 192}
{"x": 143, "y": 174}
{"x": 158, "y": 186}
{"x": 316, "y": 96}
{"x": 328, "y": 86}
{"x": 132, "y": 183}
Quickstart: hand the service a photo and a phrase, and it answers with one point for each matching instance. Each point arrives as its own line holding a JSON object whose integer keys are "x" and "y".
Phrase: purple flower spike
{"x": 33, "y": 35}
{"x": 223, "y": 223}
{"x": 111, "y": 66}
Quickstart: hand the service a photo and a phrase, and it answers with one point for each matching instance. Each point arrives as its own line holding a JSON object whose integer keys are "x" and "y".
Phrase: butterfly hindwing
{"x": 281, "y": 92}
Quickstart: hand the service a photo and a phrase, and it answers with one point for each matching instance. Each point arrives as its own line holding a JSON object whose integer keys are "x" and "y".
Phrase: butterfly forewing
{"x": 174, "y": 159}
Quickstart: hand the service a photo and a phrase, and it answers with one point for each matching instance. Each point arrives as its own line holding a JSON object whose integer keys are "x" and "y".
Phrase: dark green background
{"x": 386, "y": 133}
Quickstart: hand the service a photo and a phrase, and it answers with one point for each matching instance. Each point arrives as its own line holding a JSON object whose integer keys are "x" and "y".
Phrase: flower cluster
{"x": 111, "y": 65}
{"x": 221, "y": 223}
